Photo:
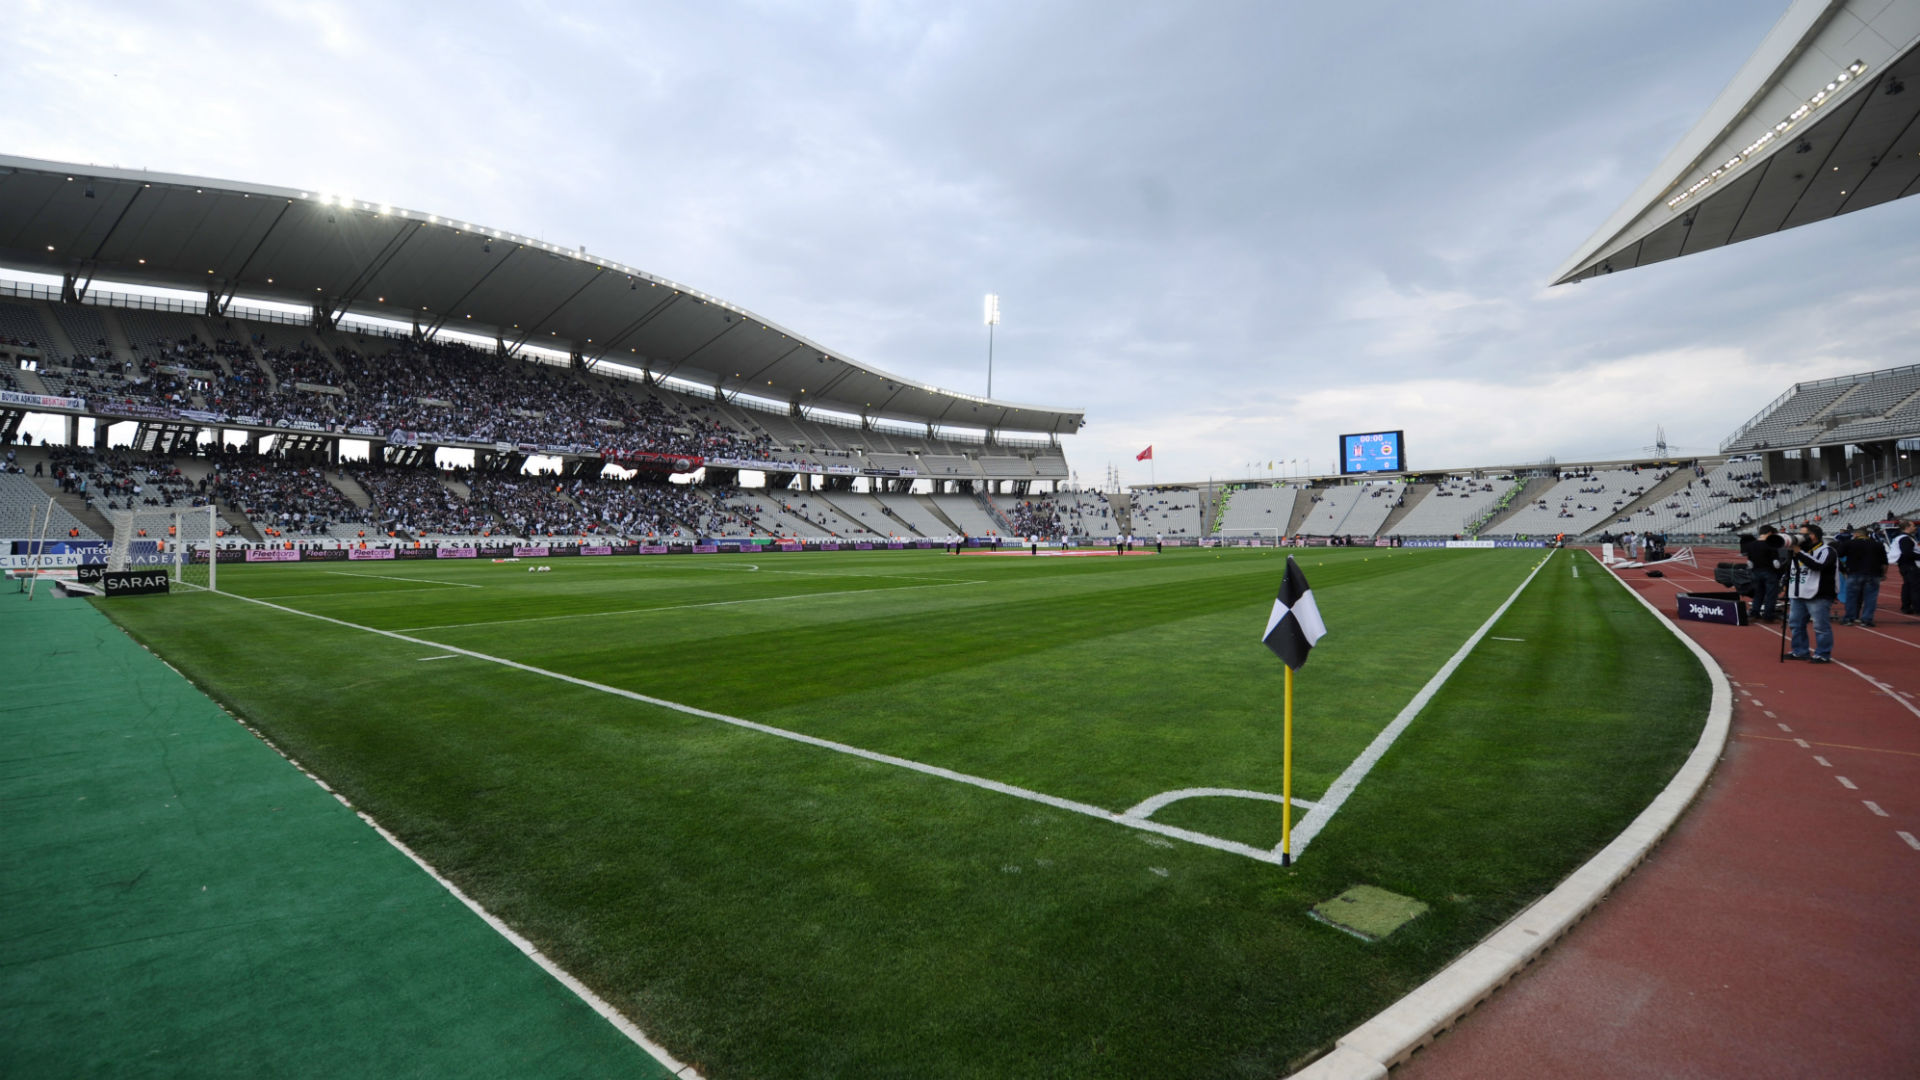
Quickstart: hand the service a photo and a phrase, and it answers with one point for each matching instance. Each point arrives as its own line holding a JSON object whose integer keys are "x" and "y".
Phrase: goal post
{"x": 179, "y": 538}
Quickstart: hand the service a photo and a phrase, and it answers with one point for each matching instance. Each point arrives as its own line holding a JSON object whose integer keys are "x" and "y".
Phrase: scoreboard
{"x": 1372, "y": 452}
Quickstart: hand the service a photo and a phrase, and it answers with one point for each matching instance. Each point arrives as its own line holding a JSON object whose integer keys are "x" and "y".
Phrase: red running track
{"x": 1776, "y": 931}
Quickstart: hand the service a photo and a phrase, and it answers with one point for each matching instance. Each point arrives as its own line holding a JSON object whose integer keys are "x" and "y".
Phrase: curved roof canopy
{"x": 340, "y": 255}
{"x": 1820, "y": 122}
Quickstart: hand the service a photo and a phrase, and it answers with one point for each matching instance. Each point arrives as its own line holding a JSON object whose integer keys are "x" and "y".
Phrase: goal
{"x": 180, "y": 538}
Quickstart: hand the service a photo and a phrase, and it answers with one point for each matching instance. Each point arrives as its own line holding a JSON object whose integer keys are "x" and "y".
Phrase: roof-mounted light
{"x": 1772, "y": 134}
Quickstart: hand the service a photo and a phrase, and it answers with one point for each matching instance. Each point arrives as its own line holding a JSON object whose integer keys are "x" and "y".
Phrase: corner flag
{"x": 1294, "y": 627}
{"x": 1144, "y": 455}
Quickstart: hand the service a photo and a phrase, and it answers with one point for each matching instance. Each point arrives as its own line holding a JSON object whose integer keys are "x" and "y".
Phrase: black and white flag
{"x": 1294, "y": 627}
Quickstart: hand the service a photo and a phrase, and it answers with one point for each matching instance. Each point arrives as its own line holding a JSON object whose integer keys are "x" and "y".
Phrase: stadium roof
{"x": 1818, "y": 123}
{"x": 344, "y": 255}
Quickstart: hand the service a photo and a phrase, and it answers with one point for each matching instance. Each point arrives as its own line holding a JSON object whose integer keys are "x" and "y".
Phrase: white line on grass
{"x": 395, "y": 577}
{"x": 1030, "y": 795}
{"x": 1336, "y": 795}
{"x": 1509, "y": 639}
{"x": 1146, "y": 807}
{"x": 447, "y": 656}
{"x": 683, "y": 607}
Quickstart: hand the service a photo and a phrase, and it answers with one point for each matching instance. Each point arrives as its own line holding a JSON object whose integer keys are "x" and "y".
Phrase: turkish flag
{"x": 1144, "y": 455}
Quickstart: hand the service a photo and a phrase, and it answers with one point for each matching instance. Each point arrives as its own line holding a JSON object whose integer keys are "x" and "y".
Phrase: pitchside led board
{"x": 1373, "y": 452}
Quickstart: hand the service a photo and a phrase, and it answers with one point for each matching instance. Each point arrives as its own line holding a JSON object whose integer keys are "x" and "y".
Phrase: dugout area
{"x": 767, "y": 908}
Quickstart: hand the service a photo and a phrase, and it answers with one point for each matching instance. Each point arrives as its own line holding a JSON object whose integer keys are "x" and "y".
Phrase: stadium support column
{"x": 73, "y": 430}
{"x": 69, "y": 289}
{"x": 322, "y": 313}
{"x": 1833, "y": 462}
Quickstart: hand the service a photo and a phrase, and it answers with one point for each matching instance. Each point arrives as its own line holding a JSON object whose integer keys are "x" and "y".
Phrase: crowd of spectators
{"x": 414, "y": 502}
{"x": 291, "y": 499}
{"x": 122, "y": 479}
{"x": 1037, "y": 516}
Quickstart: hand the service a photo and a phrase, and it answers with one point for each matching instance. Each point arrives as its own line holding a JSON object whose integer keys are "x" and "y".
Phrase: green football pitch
{"x": 865, "y": 814}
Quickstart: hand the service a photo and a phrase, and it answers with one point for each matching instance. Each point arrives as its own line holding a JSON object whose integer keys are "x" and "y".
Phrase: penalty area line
{"x": 396, "y": 577}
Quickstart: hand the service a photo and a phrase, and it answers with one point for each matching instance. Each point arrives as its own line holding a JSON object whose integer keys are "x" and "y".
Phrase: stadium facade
{"x": 347, "y": 264}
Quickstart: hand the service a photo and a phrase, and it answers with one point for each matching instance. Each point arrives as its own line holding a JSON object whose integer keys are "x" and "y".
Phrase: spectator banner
{"x": 397, "y": 437}
{"x": 141, "y": 412}
{"x": 370, "y": 553}
{"x": 673, "y": 463}
{"x": 596, "y": 551}
{"x": 530, "y": 552}
{"x": 456, "y": 553}
{"x": 272, "y": 555}
{"x": 202, "y": 415}
{"x": 135, "y": 582}
{"x": 41, "y": 401}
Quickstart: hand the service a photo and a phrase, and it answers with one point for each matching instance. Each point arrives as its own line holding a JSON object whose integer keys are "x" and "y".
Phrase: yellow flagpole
{"x": 1286, "y": 781}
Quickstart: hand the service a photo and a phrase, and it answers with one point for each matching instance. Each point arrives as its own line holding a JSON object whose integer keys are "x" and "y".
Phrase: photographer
{"x": 1766, "y": 555}
{"x": 1810, "y": 594}
{"x": 1864, "y": 561}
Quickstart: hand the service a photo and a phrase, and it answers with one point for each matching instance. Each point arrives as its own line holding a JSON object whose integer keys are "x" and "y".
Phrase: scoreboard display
{"x": 1372, "y": 452}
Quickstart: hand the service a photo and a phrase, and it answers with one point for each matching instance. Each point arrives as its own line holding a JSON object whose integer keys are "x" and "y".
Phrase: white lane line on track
{"x": 1803, "y": 744}
{"x": 1343, "y": 786}
{"x": 682, "y": 607}
{"x": 396, "y": 577}
{"x": 1908, "y": 837}
{"x": 1783, "y": 727}
{"x": 1875, "y": 807}
{"x": 1848, "y": 784}
{"x": 1823, "y": 761}
{"x": 1882, "y": 687}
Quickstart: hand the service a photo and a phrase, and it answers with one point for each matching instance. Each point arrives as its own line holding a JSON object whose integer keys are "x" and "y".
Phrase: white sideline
{"x": 1368, "y": 1051}
{"x": 1344, "y": 785}
{"x": 1058, "y": 803}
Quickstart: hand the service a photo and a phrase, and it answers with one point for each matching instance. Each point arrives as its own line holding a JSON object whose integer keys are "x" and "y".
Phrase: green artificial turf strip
{"x": 181, "y": 902}
{"x": 769, "y": 909}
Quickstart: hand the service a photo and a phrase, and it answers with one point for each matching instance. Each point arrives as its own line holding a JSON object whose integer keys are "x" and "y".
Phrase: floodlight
{"x": 993, "y": 309}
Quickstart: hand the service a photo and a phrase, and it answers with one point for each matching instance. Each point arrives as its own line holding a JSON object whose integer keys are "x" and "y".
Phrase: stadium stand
{"x": 1581, "y": 501}
{"x": 917, "y": 514}
{"x": 1452, "y": 505}
{"x": 1852, "y": 408}
{"x": 1349, "y": 509}
{"x": 22, "y": 506}
{"x": 1265, "y": 510}
{"x": 20, "y": 325}
{"x": 1166, "y": 512}
{"x": 296, "y": 501}
{"x": 965, "y": 511}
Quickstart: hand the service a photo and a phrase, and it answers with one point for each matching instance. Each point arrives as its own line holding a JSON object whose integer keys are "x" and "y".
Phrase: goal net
{"x": 179, "y": 538}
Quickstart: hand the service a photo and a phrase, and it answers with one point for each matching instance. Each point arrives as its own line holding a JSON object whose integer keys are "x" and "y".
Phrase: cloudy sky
{"x": 1228, "y": 230}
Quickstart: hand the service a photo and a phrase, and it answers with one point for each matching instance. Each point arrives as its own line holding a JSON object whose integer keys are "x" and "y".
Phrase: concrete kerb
{"x": 1392, "y": 1036}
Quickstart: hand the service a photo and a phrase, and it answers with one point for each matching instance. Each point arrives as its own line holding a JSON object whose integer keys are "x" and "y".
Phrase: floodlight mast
{"x": 993, "y": 320}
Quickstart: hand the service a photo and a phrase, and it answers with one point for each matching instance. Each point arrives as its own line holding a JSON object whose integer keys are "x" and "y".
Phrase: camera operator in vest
{"x": 1810, "y": 594}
